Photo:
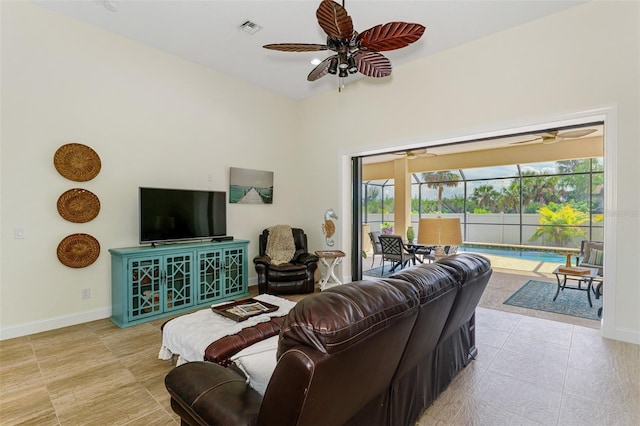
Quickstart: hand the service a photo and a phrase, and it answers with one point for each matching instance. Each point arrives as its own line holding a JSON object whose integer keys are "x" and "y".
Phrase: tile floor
{"x": 528, "y": 371}
{"x": 533, "y": 371}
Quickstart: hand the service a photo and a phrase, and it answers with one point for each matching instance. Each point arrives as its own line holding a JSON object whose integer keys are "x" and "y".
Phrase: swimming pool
{"x": 522, "y": 253}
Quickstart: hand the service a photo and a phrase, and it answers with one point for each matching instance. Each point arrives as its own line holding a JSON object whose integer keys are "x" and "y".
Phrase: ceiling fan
{"x": 354, "y": 52}
{"x": 412, "y": 154}
{"x": 556, "y": 136}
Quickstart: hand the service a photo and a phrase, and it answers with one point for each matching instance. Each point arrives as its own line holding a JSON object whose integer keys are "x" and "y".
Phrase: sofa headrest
{"x": 467, "y": 265}
{"x": 344, "y": 315}
{"x": 430, "y": 279}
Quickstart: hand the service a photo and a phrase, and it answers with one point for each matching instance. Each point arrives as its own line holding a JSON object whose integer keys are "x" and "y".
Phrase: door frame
{"x": 608, "y": 115}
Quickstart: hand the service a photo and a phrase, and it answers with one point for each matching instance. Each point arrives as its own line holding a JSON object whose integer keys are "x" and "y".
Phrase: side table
{"x": 571, "y": 273}
{"x": 330, "y": 259}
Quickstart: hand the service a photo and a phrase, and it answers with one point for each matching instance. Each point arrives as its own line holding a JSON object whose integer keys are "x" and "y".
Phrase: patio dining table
{"x": 424, "y": 251}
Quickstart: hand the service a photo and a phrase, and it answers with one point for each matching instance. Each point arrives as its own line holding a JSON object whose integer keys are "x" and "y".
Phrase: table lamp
{"x": 439, "y": 232}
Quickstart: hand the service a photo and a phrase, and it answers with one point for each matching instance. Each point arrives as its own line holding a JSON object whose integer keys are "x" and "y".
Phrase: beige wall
{"x": 160, "y": 121}
{"x": 560, "y": 68}
{"x": 154, "y": 119}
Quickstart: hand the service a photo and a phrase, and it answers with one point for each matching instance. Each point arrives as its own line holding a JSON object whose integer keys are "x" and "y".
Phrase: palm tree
{"x": 541, "y": 189}
{"x": 373, "y": 199}
{"x": 439, "y": 180}
{"x": 485, "y": 196}
{"x": 509, "y": 200}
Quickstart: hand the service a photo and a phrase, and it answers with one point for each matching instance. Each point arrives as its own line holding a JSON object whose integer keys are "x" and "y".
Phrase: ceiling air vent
{"x": 250, "y": 27}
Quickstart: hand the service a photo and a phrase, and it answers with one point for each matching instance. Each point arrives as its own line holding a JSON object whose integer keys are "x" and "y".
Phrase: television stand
{"x": 149, "y": 283}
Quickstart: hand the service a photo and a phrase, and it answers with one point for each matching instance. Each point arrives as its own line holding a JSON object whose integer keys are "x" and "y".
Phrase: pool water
{"x": 528, "y": 254}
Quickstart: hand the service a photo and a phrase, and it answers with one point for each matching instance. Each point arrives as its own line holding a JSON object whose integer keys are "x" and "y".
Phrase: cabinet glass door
{"x": 146, "y": 279}
{"x": 233, "y": 271}
{"x": 210, "y": 286}
{"x": 178, "y": 282}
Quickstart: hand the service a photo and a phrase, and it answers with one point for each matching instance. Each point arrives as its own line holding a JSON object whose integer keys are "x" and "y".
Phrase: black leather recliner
{"x": 296, "y": 276}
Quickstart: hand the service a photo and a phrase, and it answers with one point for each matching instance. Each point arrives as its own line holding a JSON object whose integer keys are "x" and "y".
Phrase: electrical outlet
{"x": 86, "y": 293}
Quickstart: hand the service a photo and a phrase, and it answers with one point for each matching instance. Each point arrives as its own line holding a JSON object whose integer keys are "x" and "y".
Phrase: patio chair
{"x": 450, "y": 250}
{"x": 377, "y": 248}
{"x": 592, "y": 256}
{"x": 393, "y": 249}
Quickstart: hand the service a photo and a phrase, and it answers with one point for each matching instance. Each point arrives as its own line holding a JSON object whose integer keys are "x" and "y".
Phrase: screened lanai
{"x": 524, "y": 201}
{"x": 552, "y": 204}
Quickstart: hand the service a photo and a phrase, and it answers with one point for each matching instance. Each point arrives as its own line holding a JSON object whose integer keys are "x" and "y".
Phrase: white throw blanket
{"x": 280, "y": 245}
{"x": 189, "y": 335}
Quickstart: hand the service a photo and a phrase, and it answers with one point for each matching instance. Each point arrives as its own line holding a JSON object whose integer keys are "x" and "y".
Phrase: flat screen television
{"x": 168, "y": 215}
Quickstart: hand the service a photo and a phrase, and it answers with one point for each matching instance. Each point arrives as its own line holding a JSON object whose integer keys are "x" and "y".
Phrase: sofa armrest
{"x": 224, "y": 348}
{"x": 206, "y": 393}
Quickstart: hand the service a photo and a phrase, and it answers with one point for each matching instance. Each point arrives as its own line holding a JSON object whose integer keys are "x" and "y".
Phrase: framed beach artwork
{"x": 247, "y": 186}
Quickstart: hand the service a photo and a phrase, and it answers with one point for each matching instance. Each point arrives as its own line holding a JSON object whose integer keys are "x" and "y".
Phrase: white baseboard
{"x": 625, "y": 335}
{"x": 53, "y": 323}
{"x": 64, "y": 321}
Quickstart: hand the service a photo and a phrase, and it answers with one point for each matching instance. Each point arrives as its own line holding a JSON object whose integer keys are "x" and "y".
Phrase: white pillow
{"x": 258, "y": 362}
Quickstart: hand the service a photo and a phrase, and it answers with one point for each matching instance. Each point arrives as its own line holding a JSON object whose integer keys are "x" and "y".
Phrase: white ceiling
{"x": 208, "y": 31}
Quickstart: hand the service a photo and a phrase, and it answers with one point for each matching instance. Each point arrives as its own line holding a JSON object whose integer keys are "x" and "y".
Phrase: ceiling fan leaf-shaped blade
{"x": 412, "y": 154}
{"x": 390, "y": 36}
{"x": 526, "y": 141}
{"x": 295, "y": 47}
{"x": 334, "y": 20}
{"x": 572, "y": 134}
{"x": 321, "y": 70}
{"x": 373, "y": 64}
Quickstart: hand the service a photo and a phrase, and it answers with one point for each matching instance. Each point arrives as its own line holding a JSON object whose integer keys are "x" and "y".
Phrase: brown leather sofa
{"x": 366, "y": 353}
{"x": 296, "y": 276}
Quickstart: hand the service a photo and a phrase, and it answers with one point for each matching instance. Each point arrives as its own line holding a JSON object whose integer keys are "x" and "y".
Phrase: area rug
{"x": 539, "y": 295}
{"x": 377, "y": 272}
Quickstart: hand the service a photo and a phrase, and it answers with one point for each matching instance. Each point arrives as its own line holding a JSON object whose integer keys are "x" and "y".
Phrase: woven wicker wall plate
{"x": 77, "y": 162}
{"x": 78, "y": 205}
{"x": 78, "y": 250}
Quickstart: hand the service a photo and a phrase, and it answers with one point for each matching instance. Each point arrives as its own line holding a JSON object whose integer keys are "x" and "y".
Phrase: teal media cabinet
{"x": 148, "y": 283}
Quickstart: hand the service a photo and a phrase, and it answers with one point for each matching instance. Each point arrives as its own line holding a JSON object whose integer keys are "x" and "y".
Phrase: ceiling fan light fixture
{"x": 343, "y": 61}
{"x": 353, "y": 67}
{"x": 343, "y": 72}
{"x": 333, "y": 66}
